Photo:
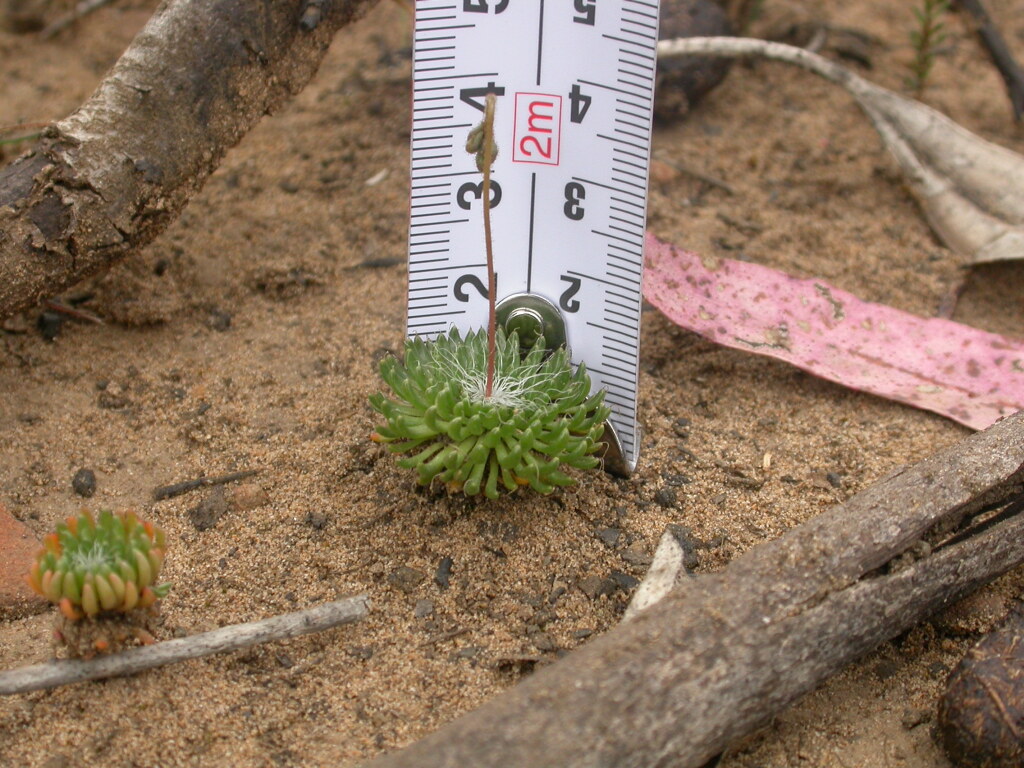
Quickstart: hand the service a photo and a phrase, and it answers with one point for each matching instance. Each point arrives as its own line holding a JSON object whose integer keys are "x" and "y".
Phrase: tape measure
{"x": 574, "y": 83}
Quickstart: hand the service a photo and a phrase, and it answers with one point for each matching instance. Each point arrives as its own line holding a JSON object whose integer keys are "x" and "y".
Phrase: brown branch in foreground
{"x": 104, "y": 182}
{"x": 52, "y": 674}
{"x": 1000, "y": 54}
{"x": 711, "y": 662}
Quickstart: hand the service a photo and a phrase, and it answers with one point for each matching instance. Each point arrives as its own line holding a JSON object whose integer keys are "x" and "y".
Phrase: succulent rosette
{"x": 89, "y": 566}
{"x": 539, "y": 419}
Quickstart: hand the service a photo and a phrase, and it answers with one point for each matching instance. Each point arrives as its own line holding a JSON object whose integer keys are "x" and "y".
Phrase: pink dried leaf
{"x": 971, "y": 376}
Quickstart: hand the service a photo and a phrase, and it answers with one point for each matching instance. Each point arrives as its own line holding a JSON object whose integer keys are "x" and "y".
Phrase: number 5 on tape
{"x": 574, "y": 83}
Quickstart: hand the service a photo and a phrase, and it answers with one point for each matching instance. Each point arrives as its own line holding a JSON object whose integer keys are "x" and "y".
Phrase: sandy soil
{"x": 247, "y": 337}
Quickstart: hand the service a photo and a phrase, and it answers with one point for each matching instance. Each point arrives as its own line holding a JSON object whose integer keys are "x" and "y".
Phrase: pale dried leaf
{"x": 971, "y": 190}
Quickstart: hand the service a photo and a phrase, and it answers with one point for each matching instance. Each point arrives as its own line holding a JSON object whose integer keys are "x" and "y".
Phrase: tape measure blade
{"x": 575, "y": 88}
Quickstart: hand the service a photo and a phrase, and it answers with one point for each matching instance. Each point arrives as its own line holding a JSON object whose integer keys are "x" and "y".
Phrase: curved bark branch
{"x": 108, "y": 179}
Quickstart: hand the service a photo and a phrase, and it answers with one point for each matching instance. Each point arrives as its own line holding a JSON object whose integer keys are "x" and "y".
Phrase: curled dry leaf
{"x": 968, "y": 375}
{"x": 972, "y": 191}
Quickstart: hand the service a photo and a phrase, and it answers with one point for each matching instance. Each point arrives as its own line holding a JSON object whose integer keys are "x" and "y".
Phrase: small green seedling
{"x": 539, "y": 418}
{"x": 926, "y": 41}
{"x": 479, "y": 413}
{"x": 104, "y": 568}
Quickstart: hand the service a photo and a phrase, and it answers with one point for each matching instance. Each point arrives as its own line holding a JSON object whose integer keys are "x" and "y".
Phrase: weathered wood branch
{"x": 715, "y": 660}
{"x": 52, "y": 674}
{"x": 108, "y": 179}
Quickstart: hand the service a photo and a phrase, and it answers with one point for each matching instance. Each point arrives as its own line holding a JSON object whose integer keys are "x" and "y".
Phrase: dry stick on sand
{"x": 712, "y": 662}
{"x": 104, "y": 182}
{"x": 176, "y": 489}
{"x": 972, "y": 191}
{"x": 1000, "y": 53}
{"x": 52, "y": 674}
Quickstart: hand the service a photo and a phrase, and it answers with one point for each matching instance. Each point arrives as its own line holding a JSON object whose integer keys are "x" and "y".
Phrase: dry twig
{"x": 52, "y": 674}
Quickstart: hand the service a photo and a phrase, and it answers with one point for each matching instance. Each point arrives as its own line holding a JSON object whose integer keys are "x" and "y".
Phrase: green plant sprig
{"x": 539, "y": 418}
{"x": 89, "y": 566}
{"x": 926, "y": 39}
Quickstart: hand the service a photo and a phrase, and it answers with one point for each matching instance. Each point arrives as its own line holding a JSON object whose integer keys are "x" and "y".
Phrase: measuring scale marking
{"x": 574, "y": 83}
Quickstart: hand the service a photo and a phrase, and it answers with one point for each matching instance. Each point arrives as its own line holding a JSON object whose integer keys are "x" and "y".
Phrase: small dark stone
{"x": 316, "y": 520}
{"x": 675, "y": 479}
{"x": 468, "y": 652}
{"x": 666, "y": 497}
{"x": 284, "y": 660}
{"x": 405, "y": 578}
{"x": 886, "y": 668}
{"x": 834, "y": 479}
{"x": 624, "y": 581}
{"x": 206, "y": 514}
{"x": 680, "y": 427}
{"x": 49, "y": 325}
{"x": 84, "y": 483}
{"x": 609, "y": 536}
{"x": 544, "y": 642}
{"x": 364, "y": 652}
{"x": 219, "y": 320}
{"x": 635, "y": 556}
{"x": 444, "y": 572}
{"x": 594, "y": 586}
{"x": 423, "y": 609}
{"x": 112, "y": 402}
{"x": 582, "y": 634}
{"x": 291, "y": 597}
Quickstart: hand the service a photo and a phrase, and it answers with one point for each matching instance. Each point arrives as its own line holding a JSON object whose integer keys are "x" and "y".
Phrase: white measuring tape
{"x": 574, "y": 81}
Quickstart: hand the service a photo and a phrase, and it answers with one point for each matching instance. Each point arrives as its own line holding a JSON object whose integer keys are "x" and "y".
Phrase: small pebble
{"x": 594, "y": 586}
{"x": 284, "y": 660}
{"x": 219, "y": 320}
{"x": 444, "y": 572}
{"x": 624, "y": 581}
{"x": 834, "y": 479}
{"x": 423, "y": 609}
{"x": 247, "y": 496}
{"x": 544, "y": 642}
{"x": 206, "y": 514}
{"x": 405, "y": 578}
{"x": 316, "y": 520}
{"x": 609, "y": 536}
{"x": 636, "y": 556}
{"x": 665, "y": 497}
{"x": 84, "y": 483}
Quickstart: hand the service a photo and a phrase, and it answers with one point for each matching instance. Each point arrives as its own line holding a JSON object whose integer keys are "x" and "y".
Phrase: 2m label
{"x": 537, "y": 133}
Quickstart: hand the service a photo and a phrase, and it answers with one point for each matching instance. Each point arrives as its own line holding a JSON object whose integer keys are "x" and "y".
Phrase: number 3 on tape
{"x": 574, "y": 83}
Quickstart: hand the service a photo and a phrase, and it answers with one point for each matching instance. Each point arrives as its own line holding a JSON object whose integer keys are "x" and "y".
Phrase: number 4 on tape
{"x": 574, "y": 83}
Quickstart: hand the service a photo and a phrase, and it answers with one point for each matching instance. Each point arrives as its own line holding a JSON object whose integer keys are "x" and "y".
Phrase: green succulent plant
{"x": 89, "y": 566}
{"x": 539, "y": 418}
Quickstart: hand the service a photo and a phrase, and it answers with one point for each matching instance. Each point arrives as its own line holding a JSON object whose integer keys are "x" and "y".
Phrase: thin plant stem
{"x": 492, "y": 288}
